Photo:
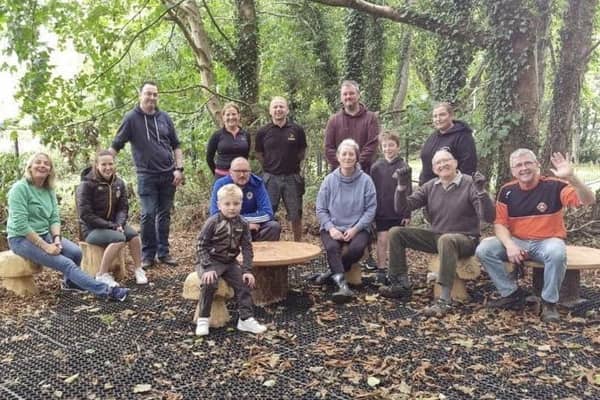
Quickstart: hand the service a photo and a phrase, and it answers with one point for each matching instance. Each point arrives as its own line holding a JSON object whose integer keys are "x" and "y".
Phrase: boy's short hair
{"x": 229, "y": 190}
{"x": 389, "y": 135}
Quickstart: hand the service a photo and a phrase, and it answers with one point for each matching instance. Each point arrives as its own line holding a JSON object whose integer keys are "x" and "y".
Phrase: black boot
{"x": 321, "y": 279}
{"x": 344, "y": 294}
{"x": 398, "y": 287}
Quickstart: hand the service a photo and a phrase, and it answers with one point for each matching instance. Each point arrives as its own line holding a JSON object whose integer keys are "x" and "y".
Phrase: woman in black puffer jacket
{"x": 103, "y": 210}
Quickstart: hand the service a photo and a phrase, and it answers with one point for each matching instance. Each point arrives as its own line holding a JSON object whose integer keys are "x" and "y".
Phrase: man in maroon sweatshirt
{"x": 353, "y": 121}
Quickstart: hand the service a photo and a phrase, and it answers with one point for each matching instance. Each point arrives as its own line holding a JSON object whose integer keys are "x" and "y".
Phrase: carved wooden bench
{"x": 16, "y": 274}
{"x": 219, "y": 315}
{"x": 466, "y": 269}
{"x": 578, "y": 258}
{"x": 270, "y": 267}
{"x": 92, "y": 257}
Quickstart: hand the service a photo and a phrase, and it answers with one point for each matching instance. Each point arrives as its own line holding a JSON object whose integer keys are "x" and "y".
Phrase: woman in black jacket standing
{"x": 228, "y": 143}
{"x": 103, "y": 210}
{"x": 452, "y": 135}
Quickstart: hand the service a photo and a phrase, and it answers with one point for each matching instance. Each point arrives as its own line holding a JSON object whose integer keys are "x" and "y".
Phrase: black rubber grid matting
{"x": 112, "y": 347}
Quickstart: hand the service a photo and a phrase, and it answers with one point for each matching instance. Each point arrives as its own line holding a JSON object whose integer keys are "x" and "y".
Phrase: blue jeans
{"x": 552, "y": 253}
{"x": 156, "y": 197}
{"x": 67, "y": 262}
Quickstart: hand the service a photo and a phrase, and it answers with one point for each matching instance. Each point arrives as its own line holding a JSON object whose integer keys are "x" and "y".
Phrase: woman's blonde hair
{"x": 49, "y": 182}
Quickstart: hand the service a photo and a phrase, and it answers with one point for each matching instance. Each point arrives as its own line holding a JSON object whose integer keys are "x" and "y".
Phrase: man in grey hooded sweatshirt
{"x": 159, "y": 165}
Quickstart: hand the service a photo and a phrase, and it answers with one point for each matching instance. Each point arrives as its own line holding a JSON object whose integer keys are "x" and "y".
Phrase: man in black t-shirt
{"x": 280, "y": 148}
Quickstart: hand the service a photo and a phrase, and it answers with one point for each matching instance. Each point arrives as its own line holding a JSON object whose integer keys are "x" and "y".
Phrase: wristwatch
{"x": 180, "y": 169}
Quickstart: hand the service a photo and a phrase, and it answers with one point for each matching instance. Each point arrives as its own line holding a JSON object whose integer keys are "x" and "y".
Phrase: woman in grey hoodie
{"x": 346, "y": 206}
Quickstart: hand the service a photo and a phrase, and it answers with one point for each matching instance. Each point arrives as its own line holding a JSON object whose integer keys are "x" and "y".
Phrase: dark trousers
{"x": 449, "y": 246}
{"x": 269, "y": 231}
{"x": 232, "y": 274}
{"x": 156, "y": 198}
{"x": 339, "y": 263}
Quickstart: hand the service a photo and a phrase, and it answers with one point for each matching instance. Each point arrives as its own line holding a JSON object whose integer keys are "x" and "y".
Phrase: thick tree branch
{"x": 460, "y": 33}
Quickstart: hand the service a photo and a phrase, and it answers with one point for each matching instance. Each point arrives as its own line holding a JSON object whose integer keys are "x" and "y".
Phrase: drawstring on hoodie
{"x": 148, "y": 131}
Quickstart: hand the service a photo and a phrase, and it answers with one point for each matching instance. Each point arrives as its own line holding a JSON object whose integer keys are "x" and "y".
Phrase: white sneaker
{"x": 140, "y": 276}
{"x": 107, "y": 279}
{"x": 202, "y": 327}
{"x": 250, "y": 325}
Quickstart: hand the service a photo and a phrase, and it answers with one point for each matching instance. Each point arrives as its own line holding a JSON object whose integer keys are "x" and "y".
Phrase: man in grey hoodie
{"x": 159, "y": 165}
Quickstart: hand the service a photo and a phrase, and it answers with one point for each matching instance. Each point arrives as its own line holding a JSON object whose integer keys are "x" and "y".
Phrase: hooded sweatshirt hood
{"x": 459, "y": 141}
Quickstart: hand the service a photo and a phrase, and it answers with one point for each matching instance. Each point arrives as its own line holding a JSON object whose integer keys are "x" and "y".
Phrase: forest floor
{"x": 74, "y": 346}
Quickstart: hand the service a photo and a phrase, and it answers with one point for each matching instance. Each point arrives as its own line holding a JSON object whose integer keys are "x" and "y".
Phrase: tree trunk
{"x": 248, "y": 58}
{"x": 355, "y": 45}
{"x": 511, "y": 118}
{"x": 402, "y": 75}
{"x": 452, "y": 59}
{"x": 576, "y": 42}
{"x": 187, "y": 17}
{"x": 327, "y": 71}
{"x": 373, "y": 64}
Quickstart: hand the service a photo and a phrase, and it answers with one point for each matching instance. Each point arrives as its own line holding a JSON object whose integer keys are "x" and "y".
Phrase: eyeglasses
{"x": 241, "y": 171}
{"x": 526, "y": 164}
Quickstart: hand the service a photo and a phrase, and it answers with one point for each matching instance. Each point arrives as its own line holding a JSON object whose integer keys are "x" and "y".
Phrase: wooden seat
{"x": 270, "y": 267}
{"x": 16, "y": 274}
{"x": 578, "y": 258}
{"x": 219, "y": 315}
{"x": 466, "y": 269}
{"x": 92, "y": 258}
{"x": 354, "y": 274}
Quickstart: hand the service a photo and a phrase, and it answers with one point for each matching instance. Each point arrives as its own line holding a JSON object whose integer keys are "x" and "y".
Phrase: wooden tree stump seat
{"x": 578, "y": 258}
{"x": 270, "y": 267}
{"x": 354, "y": 274}
{"x": 219, "y": 315}
{"x": 92, "y": 258}
{"x": 16, "y": 274}
{"x": 466, "y": 269}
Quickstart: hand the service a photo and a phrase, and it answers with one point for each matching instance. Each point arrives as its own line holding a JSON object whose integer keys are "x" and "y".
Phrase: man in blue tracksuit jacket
{"x": 256, "y": 206}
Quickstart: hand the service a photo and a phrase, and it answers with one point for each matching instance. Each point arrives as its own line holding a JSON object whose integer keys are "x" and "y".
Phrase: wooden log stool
{"x": 219, "y": 314}
{"x": 92, "y": 258}
{"x": 270, "y": 267}
{"x": 578, "y": 258}
{"x": 354, "y": 274}
{"x": 16, "y": 274}
{"x": 466, "y": 269}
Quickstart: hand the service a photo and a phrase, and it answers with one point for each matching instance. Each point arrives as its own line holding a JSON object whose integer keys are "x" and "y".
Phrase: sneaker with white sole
{"x": 140, "y": 276}
{"x": 202, "y": 327}
{"x": 107, "y": 279}
{"x": 250, "y": 325}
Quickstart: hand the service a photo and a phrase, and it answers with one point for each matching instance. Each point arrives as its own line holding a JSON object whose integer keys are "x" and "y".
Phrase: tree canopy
{"x": 503, "y": 64}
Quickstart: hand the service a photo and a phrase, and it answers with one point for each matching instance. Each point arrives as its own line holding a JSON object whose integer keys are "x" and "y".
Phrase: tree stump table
{"x": 16, "y": 274}
{"x": 466, "y": 269}
{"x": 578, "y": 258}
{"x": 270, "y": 267}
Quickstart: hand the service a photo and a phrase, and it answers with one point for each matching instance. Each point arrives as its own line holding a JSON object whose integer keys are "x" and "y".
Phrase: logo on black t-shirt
{"x": 542, "y": 207}
{"x": 291, "y": 137}
{"x": 249, "y": 195}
